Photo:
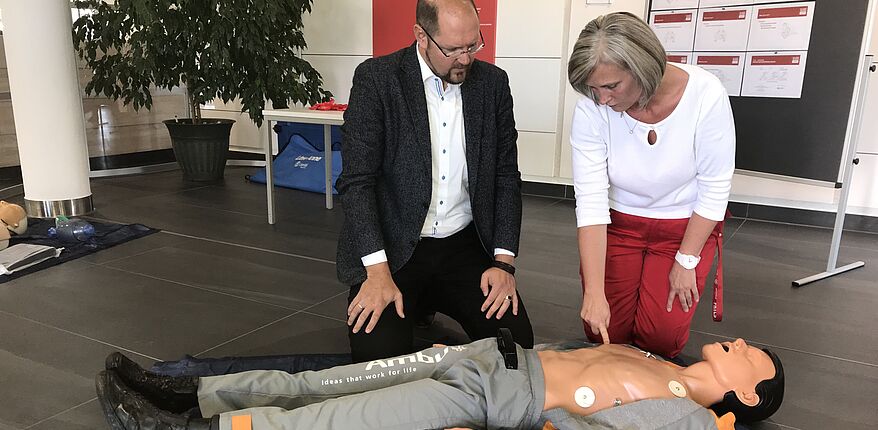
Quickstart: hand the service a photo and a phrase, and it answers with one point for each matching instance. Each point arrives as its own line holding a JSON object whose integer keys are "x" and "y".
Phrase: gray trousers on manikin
{"x": 437, "y": 388}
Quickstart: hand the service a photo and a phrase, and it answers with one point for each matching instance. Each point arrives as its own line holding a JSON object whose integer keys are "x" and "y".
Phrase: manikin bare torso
{"x": 610, "y": 371}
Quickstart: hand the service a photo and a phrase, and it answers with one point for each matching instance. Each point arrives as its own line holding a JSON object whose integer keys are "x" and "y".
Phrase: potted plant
{"x": 226, "y": 49}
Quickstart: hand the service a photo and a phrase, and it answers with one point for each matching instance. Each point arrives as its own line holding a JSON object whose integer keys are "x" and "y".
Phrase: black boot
{"x": 173, "y": 394}
{"x": 125, "y": 409}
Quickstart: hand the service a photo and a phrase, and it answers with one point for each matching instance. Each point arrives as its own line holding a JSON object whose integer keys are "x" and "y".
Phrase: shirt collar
{"x": 426, "y": 73}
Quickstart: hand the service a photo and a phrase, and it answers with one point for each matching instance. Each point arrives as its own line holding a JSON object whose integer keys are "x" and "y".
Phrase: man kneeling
{"x": 476, "y": 385}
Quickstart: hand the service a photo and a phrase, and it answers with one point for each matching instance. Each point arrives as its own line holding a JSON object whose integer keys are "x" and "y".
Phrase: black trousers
{"x": 445, "y": 273}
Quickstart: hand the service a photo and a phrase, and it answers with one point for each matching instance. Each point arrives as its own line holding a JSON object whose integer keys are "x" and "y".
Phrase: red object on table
{"x": 330, "y": 105}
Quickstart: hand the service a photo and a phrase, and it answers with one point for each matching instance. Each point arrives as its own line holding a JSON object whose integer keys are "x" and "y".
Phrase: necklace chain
{"x": 630, "y": 128}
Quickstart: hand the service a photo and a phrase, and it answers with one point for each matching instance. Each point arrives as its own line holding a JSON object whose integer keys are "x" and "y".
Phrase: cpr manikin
{"x": 469, "y": 386}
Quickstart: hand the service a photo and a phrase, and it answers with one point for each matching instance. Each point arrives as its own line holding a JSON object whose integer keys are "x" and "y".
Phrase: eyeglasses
{"x": 472, "y": 50}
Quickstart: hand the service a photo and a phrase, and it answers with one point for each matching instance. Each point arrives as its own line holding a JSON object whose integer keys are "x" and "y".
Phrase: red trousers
{"x": 640, "y": 254}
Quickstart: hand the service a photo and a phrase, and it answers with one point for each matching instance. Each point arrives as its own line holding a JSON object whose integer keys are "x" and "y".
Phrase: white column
{"x": 46, "y": 102}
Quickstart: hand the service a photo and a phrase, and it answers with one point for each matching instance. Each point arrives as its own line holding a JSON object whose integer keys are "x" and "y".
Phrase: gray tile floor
{"x": 220, "y": 281}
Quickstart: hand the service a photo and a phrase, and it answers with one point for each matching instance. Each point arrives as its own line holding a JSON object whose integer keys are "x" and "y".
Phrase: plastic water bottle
{"x": 71, "y": 230}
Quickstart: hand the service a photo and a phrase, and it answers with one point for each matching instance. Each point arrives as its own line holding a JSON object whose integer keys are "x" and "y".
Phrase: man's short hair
{"x": 621, "y": 39}
{"x": 770, "y": 393}
{"x": 427, "y": 15}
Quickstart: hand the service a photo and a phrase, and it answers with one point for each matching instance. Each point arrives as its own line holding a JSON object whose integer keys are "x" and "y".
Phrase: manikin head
{"x": 750, "y": 380}
{"x": 448, "y": 37}
{"x": 13, "y": 216}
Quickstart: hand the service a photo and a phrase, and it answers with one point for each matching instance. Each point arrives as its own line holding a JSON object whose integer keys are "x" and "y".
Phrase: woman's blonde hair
{"x": 621, "y": 39}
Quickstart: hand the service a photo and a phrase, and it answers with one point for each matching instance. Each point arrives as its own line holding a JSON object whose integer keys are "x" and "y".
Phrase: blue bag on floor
{"x": 313, "y": 133}
{"x": 300, "y": 164}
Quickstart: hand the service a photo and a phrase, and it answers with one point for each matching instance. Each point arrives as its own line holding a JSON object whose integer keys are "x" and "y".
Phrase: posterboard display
{"x": 773, "y": 74}
{"x": 675, "y": 29}
{"x": 796, "y": 134}
{"x": 393, "y": 22}
{"x": 674, "y": 4}
{"x": 781, "y": 27}
{"x": 727, "y": 66}
{"x": 723, "y": 29}
{"x": 722, "y": 3}
{"x": 742, "y": 26}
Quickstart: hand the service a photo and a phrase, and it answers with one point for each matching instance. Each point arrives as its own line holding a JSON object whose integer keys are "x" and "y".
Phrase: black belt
{"x": 507, "y": 348}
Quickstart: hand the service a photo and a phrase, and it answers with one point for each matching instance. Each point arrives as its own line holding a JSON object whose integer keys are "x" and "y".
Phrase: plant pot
{"x": 201, "y": 149}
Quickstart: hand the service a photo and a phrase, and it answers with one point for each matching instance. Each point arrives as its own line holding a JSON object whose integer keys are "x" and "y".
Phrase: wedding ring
{"x": 360, "y": 305}
{"x": 508, "y": 298}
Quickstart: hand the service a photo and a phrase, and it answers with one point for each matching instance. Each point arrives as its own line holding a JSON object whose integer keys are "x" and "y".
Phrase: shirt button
{"x": 444, "y": 124}
{"x": 443, "y": 178}
{"x": 436, "y": 223}
{"x": 443, "y": 151}
{"x": 441, "y": 202}
{"x": 443, "y": 99}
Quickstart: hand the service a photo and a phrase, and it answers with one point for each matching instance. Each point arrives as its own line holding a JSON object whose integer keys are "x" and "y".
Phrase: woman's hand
{"x": 682, "y": 280}
{"x": 596, "y": 313}
{"x": 593, "y": 256}
{"x": 683, "y": 285}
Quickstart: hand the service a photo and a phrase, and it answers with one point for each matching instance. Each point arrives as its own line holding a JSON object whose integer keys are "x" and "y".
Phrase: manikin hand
{"x": 596, "y": 313}
{"x": 683, "y": 285}
{"x": 375, "y": 294}
{"x": 496, "y": 286}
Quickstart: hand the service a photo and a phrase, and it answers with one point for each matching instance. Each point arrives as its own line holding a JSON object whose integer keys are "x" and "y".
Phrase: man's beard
{"x": 447, "y": 77}
{"x": 453, "y": 80}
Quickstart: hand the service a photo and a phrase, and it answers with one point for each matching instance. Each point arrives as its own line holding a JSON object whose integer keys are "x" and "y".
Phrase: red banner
{"x": 393, "y": 22}
{"x": 718, "y": 60}
{"x": 725, "y": 15}
{"x": 775, "y": 60}
{"x": 672, "y": 18}
{"x": 783, "y": 12}
{"x": 682, "y": 59}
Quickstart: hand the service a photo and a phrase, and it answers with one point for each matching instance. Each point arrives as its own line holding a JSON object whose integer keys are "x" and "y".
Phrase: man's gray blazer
{"x": 386, "y": 179}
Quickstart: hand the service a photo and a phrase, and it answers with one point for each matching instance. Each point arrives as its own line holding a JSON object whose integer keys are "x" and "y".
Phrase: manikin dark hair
{"x": 427, "y": 15}
{"x": 770, "y": 392}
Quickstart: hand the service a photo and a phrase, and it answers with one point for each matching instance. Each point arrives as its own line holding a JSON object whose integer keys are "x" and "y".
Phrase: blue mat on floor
{"x": 106, "y": 235}
{"x": 191, "y": 366}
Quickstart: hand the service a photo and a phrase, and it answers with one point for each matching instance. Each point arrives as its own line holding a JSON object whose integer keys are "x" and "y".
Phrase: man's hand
{"x": 683, "y": 285}
{"x": 375, "y": 294}
{"x": 498, "y": 287}
{"x": 596, "y": 313}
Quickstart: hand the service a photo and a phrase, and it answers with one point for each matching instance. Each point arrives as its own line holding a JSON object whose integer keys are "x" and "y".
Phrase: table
{"x": 327, "y": 118}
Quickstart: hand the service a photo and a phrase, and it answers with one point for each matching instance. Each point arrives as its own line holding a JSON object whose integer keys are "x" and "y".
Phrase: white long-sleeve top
{"x": 688, "y": 169}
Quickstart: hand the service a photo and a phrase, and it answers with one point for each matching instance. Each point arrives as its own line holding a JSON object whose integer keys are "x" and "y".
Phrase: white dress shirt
{"x": 688, "y": 169}
{"x": 450, "y": 209}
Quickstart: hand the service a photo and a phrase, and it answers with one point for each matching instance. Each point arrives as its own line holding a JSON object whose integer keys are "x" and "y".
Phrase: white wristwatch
{"x": 688, "y": 262}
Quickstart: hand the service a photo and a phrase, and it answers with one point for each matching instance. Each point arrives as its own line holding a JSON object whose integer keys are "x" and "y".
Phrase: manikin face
{"x": 458, "y": 32}
{"x": 614, "y": 86}
{"x": 738, "y": 367}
